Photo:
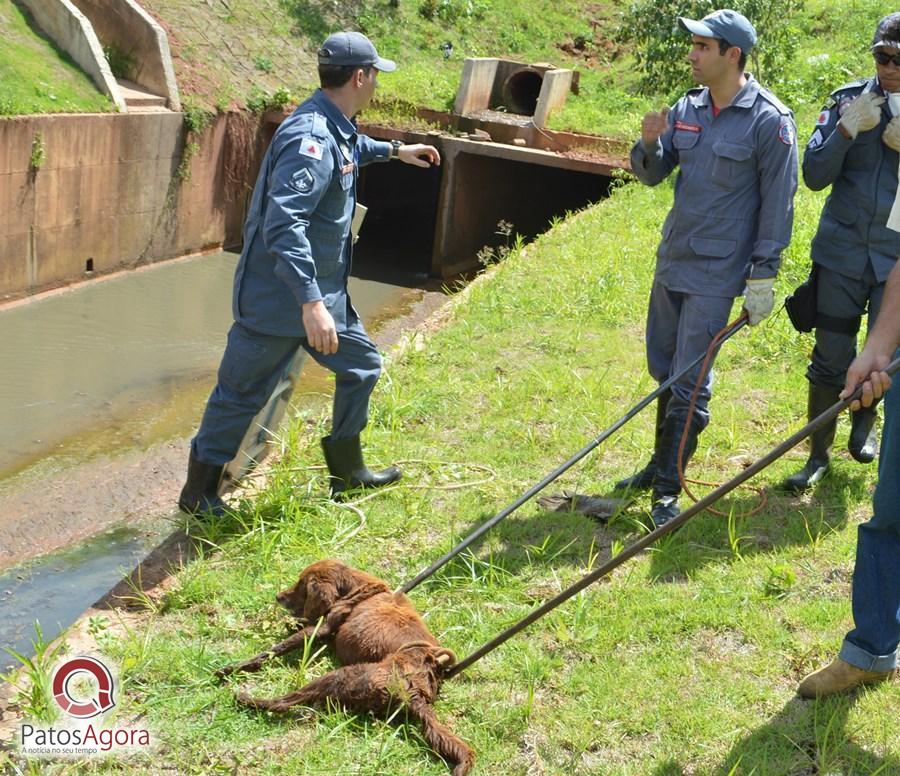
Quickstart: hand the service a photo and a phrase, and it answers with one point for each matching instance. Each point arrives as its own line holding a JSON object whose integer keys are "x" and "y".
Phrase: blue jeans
{"x": 872, "y": 644}
{"x": 251, "y": 368}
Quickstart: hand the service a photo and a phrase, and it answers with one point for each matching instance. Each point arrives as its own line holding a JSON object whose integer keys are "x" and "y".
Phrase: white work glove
{"x": 862, "y": 114}
{"x": 891, "y": 135}
{"x": 759, "y": 299}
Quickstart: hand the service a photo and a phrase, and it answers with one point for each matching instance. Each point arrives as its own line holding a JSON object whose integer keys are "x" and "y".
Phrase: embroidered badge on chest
{"x": 688, "y": 127}
{"x": 311, "y": 148}
{"x": 786, "y": 132}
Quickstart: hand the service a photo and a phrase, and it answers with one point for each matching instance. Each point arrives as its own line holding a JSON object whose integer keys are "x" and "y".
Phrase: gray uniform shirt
{"x": 862, "y": 174}
{"x": 733, "y": 209}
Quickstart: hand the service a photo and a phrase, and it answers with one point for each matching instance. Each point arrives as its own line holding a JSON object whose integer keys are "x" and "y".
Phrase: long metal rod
{"x": 556, "y": 473}
{"x": 674, "y": 524}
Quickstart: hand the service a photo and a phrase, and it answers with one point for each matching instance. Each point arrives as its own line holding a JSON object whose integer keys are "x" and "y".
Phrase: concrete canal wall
{"x": 93, "y": 193}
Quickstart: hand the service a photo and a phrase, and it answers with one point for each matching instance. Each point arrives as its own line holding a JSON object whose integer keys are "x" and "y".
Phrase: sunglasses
{"x": 882, "y": 58}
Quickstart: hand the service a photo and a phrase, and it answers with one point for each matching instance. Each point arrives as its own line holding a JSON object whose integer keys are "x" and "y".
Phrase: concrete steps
{"x": 139, "y": 100}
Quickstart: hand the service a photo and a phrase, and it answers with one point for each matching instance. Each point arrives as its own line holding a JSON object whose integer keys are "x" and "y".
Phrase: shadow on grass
{"x": 558, "y": 539}
{"x": 807, "y": 737}
{"x": 783, "y": 521}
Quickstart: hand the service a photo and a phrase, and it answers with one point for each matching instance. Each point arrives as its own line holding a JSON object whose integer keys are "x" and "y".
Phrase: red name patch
{"x": 688, "y": 127}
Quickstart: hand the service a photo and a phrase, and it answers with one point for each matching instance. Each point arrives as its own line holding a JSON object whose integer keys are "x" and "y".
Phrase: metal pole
{"x": 535, "y": 489}
{"x": 675, "y": 523}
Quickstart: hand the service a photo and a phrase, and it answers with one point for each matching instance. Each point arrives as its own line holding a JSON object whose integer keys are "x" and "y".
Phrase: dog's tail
{"x": 440, "y": 738}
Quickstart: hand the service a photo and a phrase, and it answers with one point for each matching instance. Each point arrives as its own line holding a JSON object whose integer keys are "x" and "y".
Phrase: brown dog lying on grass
{"x": 390, "y": 657}
{"x": 362, "y": 617}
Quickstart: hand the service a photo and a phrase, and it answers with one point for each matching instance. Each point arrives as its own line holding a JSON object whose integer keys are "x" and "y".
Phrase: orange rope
{"x": 684, "y": 435}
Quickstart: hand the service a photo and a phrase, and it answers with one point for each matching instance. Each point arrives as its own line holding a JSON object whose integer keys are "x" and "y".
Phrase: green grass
{"x": 684, "y": 661}
{"x": 35, "y": 77}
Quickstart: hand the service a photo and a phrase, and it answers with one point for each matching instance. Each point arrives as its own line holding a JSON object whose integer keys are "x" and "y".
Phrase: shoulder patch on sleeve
{"x": 786, "y": 132}
{"x": 312, "y": 148}
{"x": 823, "y": 117}
{"x": 303, "y": 180}
{"x": 816, "y": 140}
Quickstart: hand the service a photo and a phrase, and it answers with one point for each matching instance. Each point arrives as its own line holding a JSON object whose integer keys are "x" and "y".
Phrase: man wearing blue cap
{"x": 853, "y": 149}
{"x": 290, "y": 286}
{"x": 734, "y": 145}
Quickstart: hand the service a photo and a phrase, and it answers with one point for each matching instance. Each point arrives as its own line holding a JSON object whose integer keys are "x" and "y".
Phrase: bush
{"x": 661, "y": 45}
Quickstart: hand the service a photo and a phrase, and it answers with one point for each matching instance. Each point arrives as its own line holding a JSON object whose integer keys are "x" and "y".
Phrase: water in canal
{"x": 105, "y": 367}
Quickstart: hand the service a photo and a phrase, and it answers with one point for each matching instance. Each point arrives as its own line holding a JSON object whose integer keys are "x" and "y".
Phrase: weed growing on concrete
{"x": 121, "y": 63}
{"x": 38, "y": 152}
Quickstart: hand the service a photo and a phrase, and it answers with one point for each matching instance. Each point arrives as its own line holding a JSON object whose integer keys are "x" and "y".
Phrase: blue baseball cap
{"x": 726, "y": 25}
{"x": 353, "y": 48}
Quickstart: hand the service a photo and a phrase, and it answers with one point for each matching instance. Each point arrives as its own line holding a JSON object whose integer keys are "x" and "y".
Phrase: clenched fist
{"x": 861, "y": 114}
{"x": 653, "y": 125}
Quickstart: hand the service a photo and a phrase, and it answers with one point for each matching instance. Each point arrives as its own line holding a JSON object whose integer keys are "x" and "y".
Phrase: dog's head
{"x": 320, "y": 585}
{"x": 315, "y": 592}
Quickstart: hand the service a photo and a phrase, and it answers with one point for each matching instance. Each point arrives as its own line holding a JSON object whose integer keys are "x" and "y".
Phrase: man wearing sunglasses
{"x": 853, "y": 149}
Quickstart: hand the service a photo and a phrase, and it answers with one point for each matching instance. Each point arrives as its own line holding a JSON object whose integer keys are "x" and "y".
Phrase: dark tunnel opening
{"x": 521, "y": 91}
{"x": 397, "y": 237}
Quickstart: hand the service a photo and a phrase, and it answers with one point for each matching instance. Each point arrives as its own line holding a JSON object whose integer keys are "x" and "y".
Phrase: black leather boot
{"x": 348, "y": 471}
{"x": 200, "y": 494}
{"x": 821, "y": 397}
{"x": 863, "y": 442}
{"x": 643, "y": 480}
{"x": 666, "y": 485}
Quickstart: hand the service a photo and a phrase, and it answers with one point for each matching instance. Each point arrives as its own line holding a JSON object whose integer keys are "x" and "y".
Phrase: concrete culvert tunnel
{"x": 435, "y": 222}
{"x": 397, "y": 236}
{"x": 521, "y": 90}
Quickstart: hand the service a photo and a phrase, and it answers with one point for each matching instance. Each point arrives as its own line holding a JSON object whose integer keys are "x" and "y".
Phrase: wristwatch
{"x": 395, "y": 148}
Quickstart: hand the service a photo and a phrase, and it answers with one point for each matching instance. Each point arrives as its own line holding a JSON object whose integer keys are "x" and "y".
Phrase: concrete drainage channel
{"x": 501, "y": 166}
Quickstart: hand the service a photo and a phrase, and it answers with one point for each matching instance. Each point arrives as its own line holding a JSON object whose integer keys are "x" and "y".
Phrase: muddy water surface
{"x": 101, "y": 386}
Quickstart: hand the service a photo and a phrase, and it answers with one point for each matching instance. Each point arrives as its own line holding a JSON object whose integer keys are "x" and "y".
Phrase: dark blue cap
{"x": 726, "y": 25}
{"x": 352, "y": 48}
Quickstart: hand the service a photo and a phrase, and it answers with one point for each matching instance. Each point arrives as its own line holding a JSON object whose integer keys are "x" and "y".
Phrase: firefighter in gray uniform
{"x": 734, "y": 145}
{"x": 290, "y": 286}
{"x": 853, "y": 149}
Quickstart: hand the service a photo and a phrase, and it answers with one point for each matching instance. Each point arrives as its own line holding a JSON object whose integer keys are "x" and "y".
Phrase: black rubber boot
{"x": 348, "y": 471}
{"x": 863, "y": 442}
{"x": 821, "y": 397}
{"x": 200, "y": 494}
{"x": 643, "y": 480}
{"x": 666, "y": 485}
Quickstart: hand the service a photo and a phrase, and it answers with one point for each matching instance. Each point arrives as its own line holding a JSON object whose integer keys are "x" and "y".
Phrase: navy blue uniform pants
{"x": 844, "y": 298}
{"x": 251, "y": 368}
{"x": 680, "y": 328}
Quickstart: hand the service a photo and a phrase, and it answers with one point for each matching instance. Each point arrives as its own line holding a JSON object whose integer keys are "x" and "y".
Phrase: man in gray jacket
{"x": 290, "y": 285}
{"x": 853, "y": 149}
{"x": 734, "y": 145}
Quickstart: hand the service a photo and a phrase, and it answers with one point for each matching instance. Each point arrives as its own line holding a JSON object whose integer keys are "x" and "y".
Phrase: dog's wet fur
{"x": 390, "y": 657}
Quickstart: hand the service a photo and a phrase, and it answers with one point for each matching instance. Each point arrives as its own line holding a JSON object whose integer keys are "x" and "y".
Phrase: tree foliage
{"x": 661, "y": 45}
